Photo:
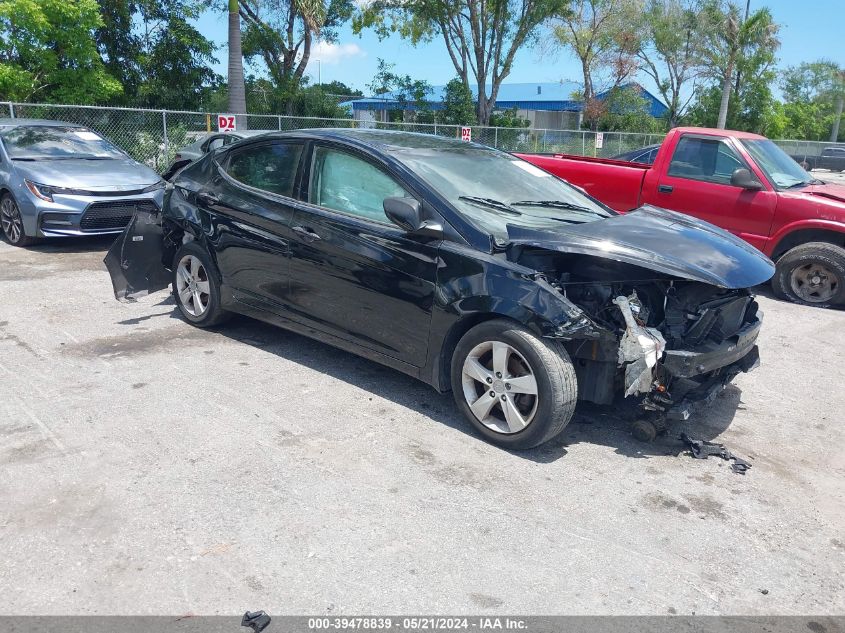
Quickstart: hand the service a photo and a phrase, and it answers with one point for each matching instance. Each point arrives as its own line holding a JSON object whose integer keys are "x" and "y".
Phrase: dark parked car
{"x": 645, "y": 155}
{"x": 460, "y": 265}
{"x": 208, "y": 143}
{"x": 832, "y": 158}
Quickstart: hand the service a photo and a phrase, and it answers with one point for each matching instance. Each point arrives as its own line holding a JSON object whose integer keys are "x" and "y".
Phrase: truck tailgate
{"x": 616, "y": 183}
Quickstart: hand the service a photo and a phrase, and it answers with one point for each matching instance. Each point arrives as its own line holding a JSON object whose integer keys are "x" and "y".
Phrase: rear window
{"x": 45, "y": 142}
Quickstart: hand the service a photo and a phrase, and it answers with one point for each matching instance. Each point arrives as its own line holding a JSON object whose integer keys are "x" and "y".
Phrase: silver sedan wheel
{"x": 500, "y": 387}
{"x": 10, "y": 220}
{"x": 192, "y": 285}
{"x": 814, "y": 283}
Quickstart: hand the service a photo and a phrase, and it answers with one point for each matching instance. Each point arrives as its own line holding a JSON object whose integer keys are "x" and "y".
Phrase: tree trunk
{"x": 726, "y": 98}
{"x": 237, "y": 91}
{"x": 834, "y": 133}
{"x": 484, "y": 106}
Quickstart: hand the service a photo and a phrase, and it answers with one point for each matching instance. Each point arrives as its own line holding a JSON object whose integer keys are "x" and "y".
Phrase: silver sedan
{"x": 62, "y": 179}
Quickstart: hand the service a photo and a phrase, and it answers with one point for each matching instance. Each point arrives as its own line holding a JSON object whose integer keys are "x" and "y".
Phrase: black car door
{"x": 354, "y": 274}
{"x": 251, "y": 203}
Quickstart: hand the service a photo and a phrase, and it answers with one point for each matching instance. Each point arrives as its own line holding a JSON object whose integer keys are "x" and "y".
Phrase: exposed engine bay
{"x": 664, "y": 340}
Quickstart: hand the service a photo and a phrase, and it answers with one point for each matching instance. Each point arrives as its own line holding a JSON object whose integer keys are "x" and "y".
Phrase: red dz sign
{"x": 466, "y": 134}
{"x": 226, "y": 123}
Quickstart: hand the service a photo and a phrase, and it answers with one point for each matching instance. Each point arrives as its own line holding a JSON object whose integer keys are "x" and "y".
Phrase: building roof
{"x": 557, "y": 96}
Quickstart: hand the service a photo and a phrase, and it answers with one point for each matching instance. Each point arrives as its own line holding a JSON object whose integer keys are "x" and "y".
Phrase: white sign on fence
{"x": 466, "y": 134}
{"x": 599, "y": 140}
{"x": 226, "y": 123}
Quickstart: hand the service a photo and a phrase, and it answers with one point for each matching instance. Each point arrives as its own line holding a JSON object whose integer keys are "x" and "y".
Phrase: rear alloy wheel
{"x": 812, "y": 274}
{"x": 195, "y": 287}
{"x": 12, "y": 223}
{"x": 516, "y": 389}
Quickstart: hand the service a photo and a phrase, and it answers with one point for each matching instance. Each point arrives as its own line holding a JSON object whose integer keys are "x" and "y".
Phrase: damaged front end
{"x": 668, "y": 339}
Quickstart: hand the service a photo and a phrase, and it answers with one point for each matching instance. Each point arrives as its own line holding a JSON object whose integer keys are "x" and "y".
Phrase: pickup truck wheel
{"x": 516, "y": 389}
{"x": 195, "y": 287}
{"x": 812, "y": 274}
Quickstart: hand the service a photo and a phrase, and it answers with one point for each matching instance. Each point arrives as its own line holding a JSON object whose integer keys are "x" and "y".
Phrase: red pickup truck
{"x": 741, "y": 182}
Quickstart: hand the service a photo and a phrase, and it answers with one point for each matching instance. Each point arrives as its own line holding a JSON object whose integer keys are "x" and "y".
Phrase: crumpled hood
{"x": 121, "y": 174}
{"x": 659, "y": 240}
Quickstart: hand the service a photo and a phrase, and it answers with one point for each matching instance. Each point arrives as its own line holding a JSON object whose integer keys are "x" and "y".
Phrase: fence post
{"x": 496, "y": 137}
{"x": 583, "y": 144}
{"x": 280, "y": 123}
{"x": 164, "y": 128}
{"x": 11, "y": 110}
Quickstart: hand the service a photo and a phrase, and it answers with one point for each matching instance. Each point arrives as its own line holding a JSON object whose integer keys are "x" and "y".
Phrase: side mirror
{"x": 405, "y": 213}
{"x": 743, "y": 178}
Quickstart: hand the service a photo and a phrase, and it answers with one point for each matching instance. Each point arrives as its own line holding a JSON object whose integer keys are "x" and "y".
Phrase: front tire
{"x": 11, "y": 223}
{"x": 811, "y": 274}
{"x": 196, "y": 288}
{"x": 516, "y": 389}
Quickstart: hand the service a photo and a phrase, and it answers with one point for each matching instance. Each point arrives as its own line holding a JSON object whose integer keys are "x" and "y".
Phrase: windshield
{"x": 781, "y": 168}
{"x": 31, "y": 142}
{"x": 494, "y": 189}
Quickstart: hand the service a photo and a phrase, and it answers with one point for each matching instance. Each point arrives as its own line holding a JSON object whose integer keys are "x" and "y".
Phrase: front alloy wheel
{"x": 12, "y": 223}
{"x": 517, "y": 389}
{"x": 499, "y": 387}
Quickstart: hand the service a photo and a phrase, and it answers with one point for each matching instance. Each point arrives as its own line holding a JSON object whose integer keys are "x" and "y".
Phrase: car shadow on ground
{"x": 88, "y": 244}
{"x": 592, "y": 424}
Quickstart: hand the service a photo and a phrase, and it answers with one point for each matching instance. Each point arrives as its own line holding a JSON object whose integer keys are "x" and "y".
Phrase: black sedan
{"x": 460, "y": 265}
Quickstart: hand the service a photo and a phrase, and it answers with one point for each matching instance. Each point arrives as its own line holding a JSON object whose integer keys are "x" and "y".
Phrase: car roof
{"x": 379, "y": 139}
{"x": 42, "y": 122}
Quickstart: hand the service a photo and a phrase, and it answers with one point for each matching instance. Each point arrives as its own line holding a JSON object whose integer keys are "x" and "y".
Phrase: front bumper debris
{"x": 712, "y": 356}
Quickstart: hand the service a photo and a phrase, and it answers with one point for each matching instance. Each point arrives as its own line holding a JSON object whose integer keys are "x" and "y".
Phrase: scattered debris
{"x": 256, "y": 620}
{"x": 702, "y": 449}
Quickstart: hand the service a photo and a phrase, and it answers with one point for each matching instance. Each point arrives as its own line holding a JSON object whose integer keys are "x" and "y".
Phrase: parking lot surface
{"x": 148, "y": 467}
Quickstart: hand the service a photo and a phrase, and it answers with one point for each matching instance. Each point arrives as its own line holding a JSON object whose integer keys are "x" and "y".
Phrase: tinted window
{"x": 343, "y": 182}
{"x": 51, "y": 142}
{"x": 712, "y": 160}
{"x": 270, "y": 167}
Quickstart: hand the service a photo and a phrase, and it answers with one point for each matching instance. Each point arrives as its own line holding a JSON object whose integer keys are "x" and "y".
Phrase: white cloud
{"x": 333, "y": 54}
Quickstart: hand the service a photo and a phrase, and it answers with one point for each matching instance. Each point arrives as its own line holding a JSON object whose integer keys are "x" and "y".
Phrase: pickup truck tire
{"x": 811, "y": 274}
{"x": 516, "y": 389}
{"x": 196, "y": 288}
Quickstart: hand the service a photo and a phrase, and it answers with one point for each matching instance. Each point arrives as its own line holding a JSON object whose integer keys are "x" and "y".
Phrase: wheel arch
{"x": 802, "y": 236}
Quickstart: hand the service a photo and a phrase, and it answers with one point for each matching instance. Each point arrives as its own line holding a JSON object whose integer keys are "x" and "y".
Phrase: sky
{"x": 810, "y": 29}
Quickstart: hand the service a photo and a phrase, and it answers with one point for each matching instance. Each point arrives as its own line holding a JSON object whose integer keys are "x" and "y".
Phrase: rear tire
{"x": 811, "y": 274}
{"x": 196, "y": 288}
{"x": 516, "y": 389}
{"x": 11, "y": 223}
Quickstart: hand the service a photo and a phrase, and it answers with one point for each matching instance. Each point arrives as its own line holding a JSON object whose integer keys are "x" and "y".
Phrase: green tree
{"x": 155, "y": 51}
{"x": 458, "y": 104}
{"x": 281, "y": 34}
{"x": 411, "y": 94}
{"x": 734, "y": 45}
{"x": 670, "y": 51}
{"x": 627, "y": 110}
{"x": 48, "y": 52}
{"x": 482, "y": 37}
{"x": 817, "y": 87}
{"x": 603, "y": 36}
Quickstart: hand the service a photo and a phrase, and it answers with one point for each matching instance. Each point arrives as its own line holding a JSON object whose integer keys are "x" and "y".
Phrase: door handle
{"x": 208, "y": 199}
{"x": 307, "y": 234}
{"x": 665, "y": 188}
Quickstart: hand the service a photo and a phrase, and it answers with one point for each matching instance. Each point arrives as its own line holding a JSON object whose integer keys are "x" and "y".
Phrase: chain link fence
{"x": 153, "y": 137}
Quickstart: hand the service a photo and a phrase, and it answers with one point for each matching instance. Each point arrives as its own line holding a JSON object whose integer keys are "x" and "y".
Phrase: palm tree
{"x": 735, "y": 36}
{"x": 237, "y": 90}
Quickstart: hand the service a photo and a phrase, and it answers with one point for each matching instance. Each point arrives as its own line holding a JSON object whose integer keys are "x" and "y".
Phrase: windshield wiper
{"x": 559, "y": 204}
{"x": 492, "y": 203}
{"x": 800, "y": 183}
